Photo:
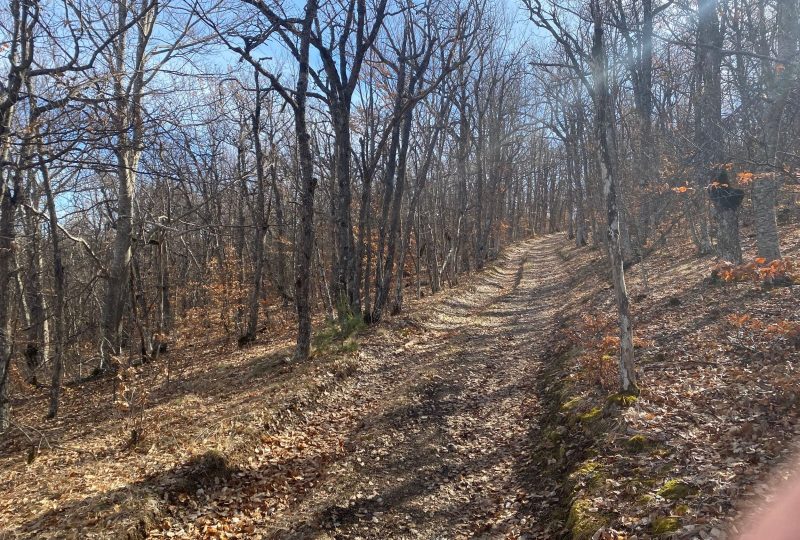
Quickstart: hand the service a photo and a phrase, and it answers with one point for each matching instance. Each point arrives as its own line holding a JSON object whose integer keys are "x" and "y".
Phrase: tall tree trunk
{"x": 260, "y": 225}
{"x": 60, "y": 287}
{"x": 765, "y": 190}
{"x": 422, "y": 177}
{"x": 280, "y": 222}
{"x": 348, "y": 299}
{"x": 708, "y": 122}
{"x": 37, "y": 350}
{"x": 118, "y": 279}
{"x": 382, "y": 287}
{"x": 308, "y": 184}
{"x": 9, "y": 199}
{"x": 607, "y": 149}
{"x": 129, "y": 130}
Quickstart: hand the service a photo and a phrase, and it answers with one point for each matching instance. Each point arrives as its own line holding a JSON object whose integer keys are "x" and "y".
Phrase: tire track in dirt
{"x": 431, "y": 437}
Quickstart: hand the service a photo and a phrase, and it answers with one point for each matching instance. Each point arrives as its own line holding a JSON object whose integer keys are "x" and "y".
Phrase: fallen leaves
{"x": 432, "y": 423}
{"x": 719, "y": 400}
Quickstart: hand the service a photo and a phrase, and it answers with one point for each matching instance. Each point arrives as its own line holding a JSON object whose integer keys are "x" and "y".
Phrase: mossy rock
{"x": 637, "y": 444}
{"x": 676, "y": 489}
{"x": 571, "y": 403}
{"x": 591, "y": 415}
{"x": 590, "y": 474}
{"x": 665, "y": 525}
{"x": 661, "y": 452}
{"x": 583, "y": 520}
{"x": 649, "y": 482}
{"x": 622, "y": 399}
{"x": 645, "y": 499}
{"x": 681, "y": 510}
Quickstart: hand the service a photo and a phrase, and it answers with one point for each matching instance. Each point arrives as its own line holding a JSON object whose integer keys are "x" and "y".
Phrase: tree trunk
{"x": 765, "y": 190}
{"x": 119, "y": 273}
{"x": 280, "y": 222}
{"x": 765, "y": 194}
{"x": 308, "y": 184}
{"x": 348, "y": 299}
{"x": 129, "y": 131}
{"x": 382, "y": 287}
{"x": 607, "y": 148}
{"x": 8, "y": 209}
{"x": 260, "y": 226}
{"x": 37, "y": 348}
{"x": 60, "y": 287}
{"x": 728, "y": 244}
{"x": 708, "y": 122}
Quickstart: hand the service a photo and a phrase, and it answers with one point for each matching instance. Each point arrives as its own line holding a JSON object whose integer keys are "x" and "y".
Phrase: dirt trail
{"x": 432, "y": 437}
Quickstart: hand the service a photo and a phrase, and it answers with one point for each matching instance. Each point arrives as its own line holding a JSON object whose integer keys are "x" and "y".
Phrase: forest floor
{"x": 487, "y": 410}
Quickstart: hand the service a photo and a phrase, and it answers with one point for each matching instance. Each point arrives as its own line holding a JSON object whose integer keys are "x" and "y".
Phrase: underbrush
{"x": 338, "y": 336}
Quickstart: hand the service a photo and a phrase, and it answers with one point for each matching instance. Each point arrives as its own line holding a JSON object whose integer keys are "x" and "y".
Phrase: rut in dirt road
{"x": 437, "y": 422}
{"x": 440, "y": 451}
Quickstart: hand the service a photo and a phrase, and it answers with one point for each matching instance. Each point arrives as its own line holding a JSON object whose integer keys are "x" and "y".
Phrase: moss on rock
{"x": 665, "y": 525}
{"x": 681, "y": 510}
{"x": 584, "y": 520}
{"x": 590, "y": 415}
{"x": 645, "y": 499}
{"x": 589, "y": 474}
{"x": 622, "y": 399}
{"x": 571, "y": 403}
{"x": 637, "y": 443}
{"x": 676, "y": 489}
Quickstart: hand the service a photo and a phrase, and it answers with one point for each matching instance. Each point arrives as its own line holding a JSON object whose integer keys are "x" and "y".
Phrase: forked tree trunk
{"x": 129, "y": 131}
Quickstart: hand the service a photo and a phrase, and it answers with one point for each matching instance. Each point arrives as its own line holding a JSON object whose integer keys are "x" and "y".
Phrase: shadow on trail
{"x": 441, "y": 443}
{"x": 447, "y": 456}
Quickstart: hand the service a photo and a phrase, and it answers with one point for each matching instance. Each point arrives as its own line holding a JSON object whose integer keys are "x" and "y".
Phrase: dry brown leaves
{"x": 718, "y": 410}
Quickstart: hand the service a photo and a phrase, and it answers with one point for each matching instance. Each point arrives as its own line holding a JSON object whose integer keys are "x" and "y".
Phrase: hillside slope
{"x": 487, "y": 410}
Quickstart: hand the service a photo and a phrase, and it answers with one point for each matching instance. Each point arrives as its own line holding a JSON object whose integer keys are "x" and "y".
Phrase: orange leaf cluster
{"x": 599, "y": 348}
{"x": 770, "y": 273}
{"x": 783, "y": 329}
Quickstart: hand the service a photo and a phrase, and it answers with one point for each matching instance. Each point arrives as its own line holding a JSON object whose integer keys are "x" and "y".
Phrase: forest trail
{"x": 431, "y": 437}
